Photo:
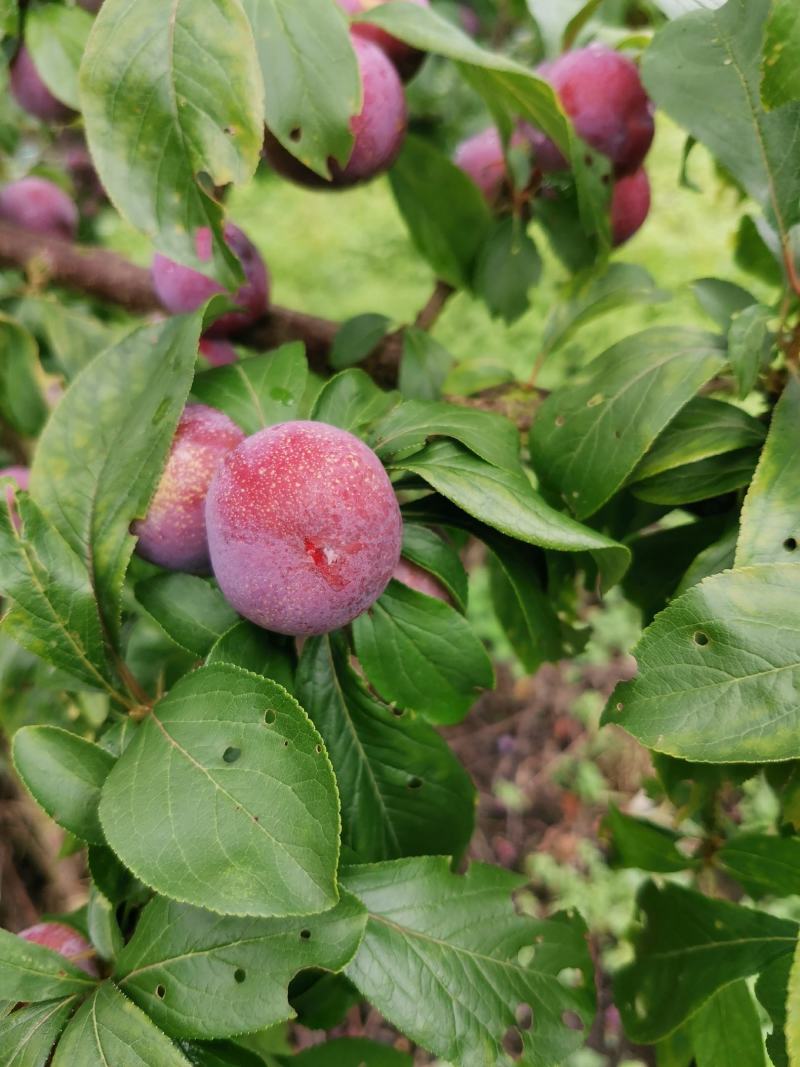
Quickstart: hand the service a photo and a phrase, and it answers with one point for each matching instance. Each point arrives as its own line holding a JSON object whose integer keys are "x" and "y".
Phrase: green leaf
{"x": 506, "y": 501}
{"x": 780, "y": 78}
{"x": 458, "y": 938}
{"x": 188, "y": 609}
{"x": 54, "y": 614}
{"x": 508, "y": 267}
{"x": 220, "y": 1054}
{"x": 409, "y": 427}
{"x": 403, "y": 790}
{"x": 620, "y": 285}
{"x": 560, "y": 20}
{"x": 718, "y": 671}
{"x": 99, "y": 459}
{"x": 770, "y": 523}
{"x": 721, "y": 300}
{"x": 101, "y": 920}
{"x": 197, "y": 974}
{"x": 27, "y": 1035}
{"x": 444, "y": 210}
{"x": 56, "y": 38}
{"x": 356, "y": 338}
{"x": 691, "y": 947}
{"x": 435, "y": 555}
{"x": 258, "y": 391}
{"x": 64, "y": 773}
{"x": 703, "y": 428}
{"x": 109, "y": 1029}
{"x": 351, "y": 400}
{"x": 726, "y": 1031}
{"x": 749, "y": 343}
{"x": 588, "y": 436}
{"x": 311, "y": 78}
{"x": 764, "y": 865}
{"x": 21, "y": 402}
{"x": 153, "y": 125}
{"x": 424, "y": 365}
{"x": 420, "y": 653}
{"x": 793, "y": 1011}
{"x": 351, "y": 1052}
{"x": 757, "y": 250}
{"x": 74, "y": 338}
{"x": 33, "y": 973}
{"x": 771, "y": 991}
{"x": 9, "y": 18}
{"x": 717, "y": 557}
{"x": 247, "y": 645}
{"x": 225, "y": 798}
{"x": 702, "y": 480}
{"x": 644, "y": 844}
{"x": 522, "y": 607}
{"x": 718, "y": 54}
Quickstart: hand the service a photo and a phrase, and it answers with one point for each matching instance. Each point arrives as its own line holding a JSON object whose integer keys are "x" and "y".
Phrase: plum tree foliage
{"x": 234, "y": 600}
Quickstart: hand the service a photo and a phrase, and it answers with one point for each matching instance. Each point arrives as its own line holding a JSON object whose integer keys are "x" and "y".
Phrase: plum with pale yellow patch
{"x": 66, "y": 942}
{"x": 304, "y": 528}
{"x": 174, "y": 533}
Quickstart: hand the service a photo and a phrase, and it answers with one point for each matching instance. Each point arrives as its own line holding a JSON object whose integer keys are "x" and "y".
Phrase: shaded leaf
{"x": 764, "y": 865}
{"x": 780, "y": 79}
{"x": 56, "y": 37}
{"x": 722, "y": 299}
{"x": 351, "y": 1052}
{"x": 33, "y": 973}
{"x": 188, "y": 609}
{"x": 28, "y": 1035}
{"x": 21, "y": 403}
{"x": 702, "y": 480}
{"x": 424, "y": 365}
{"x": 749, "y": 343}
{"x": 508, "y": 267}
{"x": 356, "y": 338}
{"x": 247, "y": 645}
{"x": 644, "y": 844}
{"x": 435, "y": 555}
{"x": 351, "y": 400}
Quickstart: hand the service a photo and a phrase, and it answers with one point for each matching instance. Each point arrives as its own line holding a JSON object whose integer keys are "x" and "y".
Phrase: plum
{"x": 92, "y": 6}
{"x": 630, "y": 205}
{"x": 304, "y": 528}
{"x": 470, "y": 20}
{"x": 217, "y": 353}
{"x": 181, "y": 289}
{"x": 39, "y": 205}
{"x": 416, "y": 577}
{"x": 66, "y": 942}
{"x": 21, "y": 477}
{"x": 174, "y": 533}
{"x": 379, "y": 129}
{"x": 405, "y": 57}
{"x": 602, "y": 93}
{"x": 31, "y": 93}
{"x": 481, "y": 158}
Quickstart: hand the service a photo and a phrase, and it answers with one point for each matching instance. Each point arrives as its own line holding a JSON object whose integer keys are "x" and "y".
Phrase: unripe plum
{"x": 181, "y": 289}
{"x": 31, "y": 93}
{"x": 379, "y": 129}
{"x": 66, "y": 942}
{"x": 21, "y": 477}
{"x": 174, "y": 533}
{"x": 630, "y": 205}
{"x": 39, "y": 205}
{"x": 304, "y": 528}
{"x": 218, "y": 353}
{"x": 602, "y": 93}
{"x": 405, "y": 57}
{"x": 416, "y": 577}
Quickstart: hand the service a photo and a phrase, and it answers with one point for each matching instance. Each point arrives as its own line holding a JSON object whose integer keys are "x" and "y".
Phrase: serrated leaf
{"x": 690, "y": 947}
{"x": 780, "y": 80}
{"x": 351, "y": 400}
{"x": 403, "y": 790}
{"x": 749, "y": 342}
{"x": 21, "y": 403}
{"x": 153, "y": 125}
{"x": 197, "y": 974}
{"x": 100, "y": 457}
{"x": 718, "y": 54}
{"x": 506, "y": 501}
{"x": 30, "y": 972}
{"x": 108, "y": 1029}
{"x": 718, "y": 671}
{"x": 703, "y": 480}
{"x": 424, "y": 365}
{"x": 188, "y": 609}
{"x": 770, "y": 523}
{"x": 64, "y": 773}
{"x": 222, "y": 1054}
{"x": 764, "y": 865}
{"x": 644, "y": 844}
{"x": 422, "y": 654}
{"x": 28, "y": 1035}
{"x": 56, "y": 38}
{"x": 356, "y": 338}
{"x": 435, "y": 555}
{"x": 259, "y": 651}
{"x": 311, "y": 78}
{"x": 225, "y": 798}
{"x": 458, "y": 939}
{"x": 258, "y": 391}
{"x": 588, "y": 436}
{"x": 409, "y": 427}
{"x": 507, "y": 268}
{"x": 726, "y": 1032}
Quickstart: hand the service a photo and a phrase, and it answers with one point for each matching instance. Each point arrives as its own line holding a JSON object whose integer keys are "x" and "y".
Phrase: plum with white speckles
{"x": 416, "y": 577}
{"x": 66, "y": 942}
{"x": 174, "y": 533}
{"x": 304, "y": 528}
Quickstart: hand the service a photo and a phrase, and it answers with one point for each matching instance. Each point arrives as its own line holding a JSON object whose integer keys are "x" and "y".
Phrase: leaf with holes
{"x": 403, "y": 790}
{"x": 257, "y": 391}
{"x": 28, "y": 1035}
{"x": 225, "y": 798}
{"x": 99, "y": 459}
{"x": 108, "y": 1029}
{"x": 488, "y": 971}
{"x": 188, "y": 609}
{"x": 198, "y": 974}
{"x": 690, "y": 947}
{"x": 56, "y": 37}
{"x": 589, "y": 436}
{"x": 719, "y": 670}
{"x": 64, "y": 773}
{"x": 770, "y": 523}
{"x": 153, "y": 125}
{"x": 30, "y": 972}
